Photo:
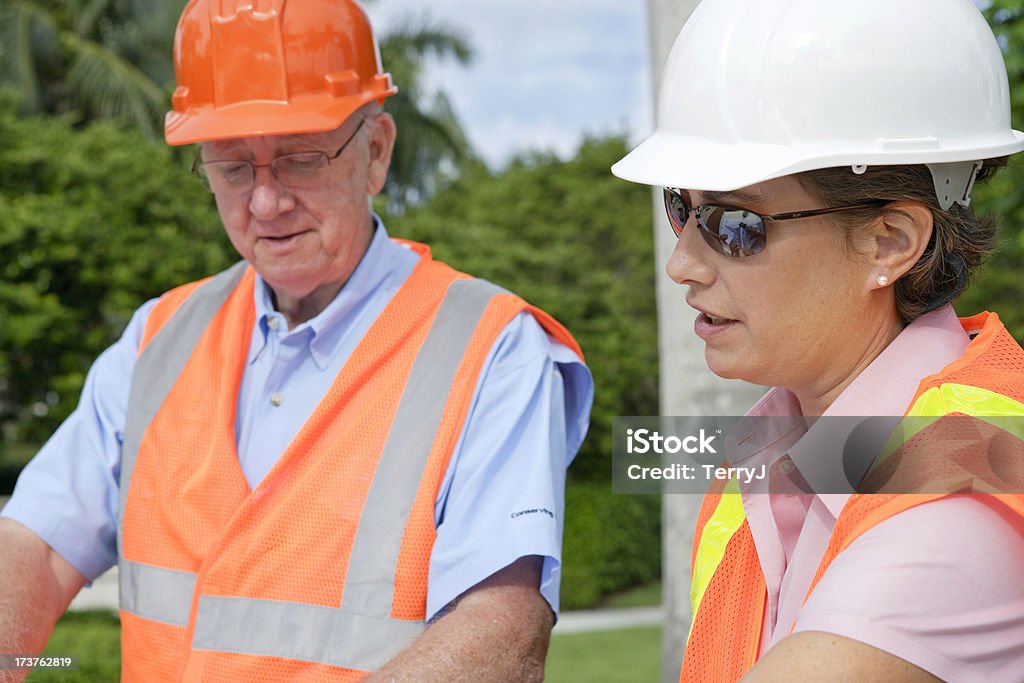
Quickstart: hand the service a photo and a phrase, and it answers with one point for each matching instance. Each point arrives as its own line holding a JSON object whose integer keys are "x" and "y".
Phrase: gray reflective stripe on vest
{"x": 361, "y": 633}
{"x": 309, "y": 633}
{"x": 155, "y": 593}
{"x": 368, "y": 589}
{"x": 156, "y": 371}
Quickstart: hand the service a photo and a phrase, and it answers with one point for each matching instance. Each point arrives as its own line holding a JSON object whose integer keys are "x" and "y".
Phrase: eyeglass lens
{"x": 292, "y": 170}
{"x": 298, "y": 170}
{"x": 732, "y": 232}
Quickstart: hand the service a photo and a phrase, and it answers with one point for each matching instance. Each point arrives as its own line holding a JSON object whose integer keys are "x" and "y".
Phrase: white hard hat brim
{"x": 668, "y": 159}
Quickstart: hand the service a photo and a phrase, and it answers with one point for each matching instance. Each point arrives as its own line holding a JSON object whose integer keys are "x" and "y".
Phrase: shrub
{"x": 92, "y": 223}
{"x": 612, "y": 542}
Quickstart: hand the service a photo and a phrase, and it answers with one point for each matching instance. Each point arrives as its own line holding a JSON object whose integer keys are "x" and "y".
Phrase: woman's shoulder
{"x": 937, "y": 584}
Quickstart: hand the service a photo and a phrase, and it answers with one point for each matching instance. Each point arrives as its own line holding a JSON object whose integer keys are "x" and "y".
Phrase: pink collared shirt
{"x": 940, "y": 585}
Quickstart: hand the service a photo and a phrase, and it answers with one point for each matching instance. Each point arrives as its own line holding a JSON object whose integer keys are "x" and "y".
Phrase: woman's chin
{"x": 723, "y": 370}
{"x": 726, "y": 366}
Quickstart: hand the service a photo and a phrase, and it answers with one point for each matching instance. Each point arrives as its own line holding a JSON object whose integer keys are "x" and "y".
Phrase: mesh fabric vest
{"x": 320, "y": 572}
{"x": 729, "y": 592}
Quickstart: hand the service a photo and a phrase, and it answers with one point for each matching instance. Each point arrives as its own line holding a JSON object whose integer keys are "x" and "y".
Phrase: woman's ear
{"x": 896, "y": 240}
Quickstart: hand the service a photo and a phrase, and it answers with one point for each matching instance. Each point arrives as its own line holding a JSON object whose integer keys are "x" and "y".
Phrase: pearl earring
{"x": 882, "y": 280}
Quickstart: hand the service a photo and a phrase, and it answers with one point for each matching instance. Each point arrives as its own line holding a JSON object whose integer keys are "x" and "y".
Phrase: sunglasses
{"x": 738, "y": 233}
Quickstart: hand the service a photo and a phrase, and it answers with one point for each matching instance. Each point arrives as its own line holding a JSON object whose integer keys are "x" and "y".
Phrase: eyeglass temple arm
{"x": 822, "y": 212}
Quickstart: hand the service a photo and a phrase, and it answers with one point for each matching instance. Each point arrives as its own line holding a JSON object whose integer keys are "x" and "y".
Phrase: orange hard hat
{"x": 248, "y": 67}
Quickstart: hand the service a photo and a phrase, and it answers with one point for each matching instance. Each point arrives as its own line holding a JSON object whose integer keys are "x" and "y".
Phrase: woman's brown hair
{"x": 960, "y": 240}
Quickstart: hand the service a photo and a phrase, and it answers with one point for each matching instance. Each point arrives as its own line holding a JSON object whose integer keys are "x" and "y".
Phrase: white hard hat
{"x": 758, "y": 89}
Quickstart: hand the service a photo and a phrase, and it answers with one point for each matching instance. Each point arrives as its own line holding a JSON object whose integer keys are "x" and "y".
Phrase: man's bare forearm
{"x": 36, "y": 586}
{"x": 498, "y": 631}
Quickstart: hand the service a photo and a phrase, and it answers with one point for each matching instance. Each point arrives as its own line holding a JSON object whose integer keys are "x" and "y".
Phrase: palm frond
{"x": 108, "y": 86}
{"x": 431, "y": 146}
{"x": 145, "y": 41}
{"x": 422, "y": 37}
{"x": 430, "y": 150}
{"x": 87, "y": 16}
{"x": 28, "y": 41}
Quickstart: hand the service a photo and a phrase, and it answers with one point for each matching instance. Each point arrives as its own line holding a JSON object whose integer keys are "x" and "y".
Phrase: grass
{"x": 648, "y": 595}
{"x": 630, "y": 655}
{"x": 95, "y": 638}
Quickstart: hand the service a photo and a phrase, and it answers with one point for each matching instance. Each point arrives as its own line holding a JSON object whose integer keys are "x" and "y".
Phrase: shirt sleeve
{"x": 503, "y": 496}
{"x": 68, "y": 493}
{"x": 938, "y": 585}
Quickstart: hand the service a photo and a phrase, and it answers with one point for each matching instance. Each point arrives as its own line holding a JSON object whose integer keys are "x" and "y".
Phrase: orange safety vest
{"x": 729, "y": 592}
{"x": 320, "y": 572}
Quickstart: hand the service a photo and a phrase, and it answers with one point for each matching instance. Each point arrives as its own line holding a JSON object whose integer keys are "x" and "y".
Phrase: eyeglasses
{"x": 297, "y": 171}
{"x": 736, "y": 232}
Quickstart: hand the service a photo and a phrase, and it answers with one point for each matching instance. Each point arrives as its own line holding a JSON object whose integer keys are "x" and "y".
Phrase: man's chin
{"x": 291, "y": 284}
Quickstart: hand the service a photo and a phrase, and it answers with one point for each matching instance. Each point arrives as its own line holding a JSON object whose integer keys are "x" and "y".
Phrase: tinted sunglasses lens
{"x": 732, "y": 232}
{"x": 677, "y": 210}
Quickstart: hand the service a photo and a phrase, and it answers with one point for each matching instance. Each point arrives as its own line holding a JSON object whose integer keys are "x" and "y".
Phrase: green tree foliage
{"x": 96, "y": 59}
{"x": 92, "y": 223}
{"x": 1000, "y": 285}
{"x": 431, "y": 145}
{"x": 575, "y": 241}
{"x": 113, "y": 59}
{"x": 612, "y": 542}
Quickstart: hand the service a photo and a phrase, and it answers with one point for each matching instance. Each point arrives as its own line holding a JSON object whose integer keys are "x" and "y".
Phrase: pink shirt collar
{"x": 884, "y": 388}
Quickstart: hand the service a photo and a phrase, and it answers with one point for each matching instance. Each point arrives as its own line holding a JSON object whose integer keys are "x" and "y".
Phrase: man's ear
{"x": 897, "y": 239}
{"x": 382, "y": 142}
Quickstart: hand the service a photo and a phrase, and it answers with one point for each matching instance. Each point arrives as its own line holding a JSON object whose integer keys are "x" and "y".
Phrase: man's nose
{"x": 269, "y": 197}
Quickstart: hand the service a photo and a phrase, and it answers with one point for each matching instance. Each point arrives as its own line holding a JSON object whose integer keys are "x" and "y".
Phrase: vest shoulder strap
{"x": 986, "y": 383}
{"x": 183, "y": 313}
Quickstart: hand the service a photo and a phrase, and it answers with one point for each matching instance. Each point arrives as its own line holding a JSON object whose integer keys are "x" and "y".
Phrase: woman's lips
{"x": 707, "y": 325}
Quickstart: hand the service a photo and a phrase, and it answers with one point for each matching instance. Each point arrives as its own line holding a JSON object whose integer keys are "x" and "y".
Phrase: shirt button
{"x": 276, "y": 400}
{"x": 787, "y": 466}
{"x": 272, "y": 324}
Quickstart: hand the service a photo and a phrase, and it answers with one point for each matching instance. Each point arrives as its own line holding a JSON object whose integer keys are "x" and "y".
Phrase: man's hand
{"x": 816, "y": 656}
{"x": 496, "y": 631}
{"x": 36, "y": 586}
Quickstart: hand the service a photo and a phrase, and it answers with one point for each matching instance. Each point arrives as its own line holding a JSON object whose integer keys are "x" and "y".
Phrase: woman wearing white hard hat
{"x": 818, "y": 160}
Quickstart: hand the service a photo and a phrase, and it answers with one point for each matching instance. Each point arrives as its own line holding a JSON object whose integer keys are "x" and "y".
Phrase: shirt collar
{"x": 327, "y": 329}
{"x": 883, "y": 390}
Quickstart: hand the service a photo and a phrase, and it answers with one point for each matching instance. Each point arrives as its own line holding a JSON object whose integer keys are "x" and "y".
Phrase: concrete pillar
{"x": 687, "y": 387}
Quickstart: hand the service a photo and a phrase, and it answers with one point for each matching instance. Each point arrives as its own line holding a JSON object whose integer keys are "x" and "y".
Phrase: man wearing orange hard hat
{"x": 338, "y": 456}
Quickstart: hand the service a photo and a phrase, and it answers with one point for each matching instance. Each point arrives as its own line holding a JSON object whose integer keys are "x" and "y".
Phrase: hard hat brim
{"x": 668, "y": 159}
{"x": 312, "y": 114}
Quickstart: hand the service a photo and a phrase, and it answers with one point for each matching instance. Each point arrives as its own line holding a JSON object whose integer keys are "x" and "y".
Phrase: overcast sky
{"x": 545, "y": 72}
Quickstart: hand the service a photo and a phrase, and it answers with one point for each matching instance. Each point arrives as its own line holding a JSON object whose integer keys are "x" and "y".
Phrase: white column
{"x": 687, "y": 387}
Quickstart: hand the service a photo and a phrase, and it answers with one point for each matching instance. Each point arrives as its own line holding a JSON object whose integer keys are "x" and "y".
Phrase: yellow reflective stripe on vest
{"x": 963, "y": 398}
{"x": 985, "y": 405}
{"x": 714, "y": 537}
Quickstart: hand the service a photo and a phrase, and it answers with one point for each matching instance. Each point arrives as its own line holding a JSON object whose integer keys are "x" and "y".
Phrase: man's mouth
{"x": 283, "y": 238}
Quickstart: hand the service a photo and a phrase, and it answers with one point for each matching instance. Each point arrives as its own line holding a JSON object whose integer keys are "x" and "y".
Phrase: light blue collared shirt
{"x": 501, "y": 498}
